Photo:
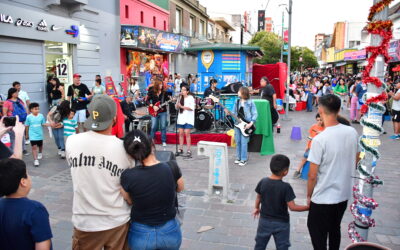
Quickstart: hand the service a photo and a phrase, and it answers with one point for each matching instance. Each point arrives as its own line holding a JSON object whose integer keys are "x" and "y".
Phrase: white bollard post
{"x": 218, "y": 176}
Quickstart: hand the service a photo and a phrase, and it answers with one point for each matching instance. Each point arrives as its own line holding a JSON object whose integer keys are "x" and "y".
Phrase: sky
{"x": 309, "y": 18}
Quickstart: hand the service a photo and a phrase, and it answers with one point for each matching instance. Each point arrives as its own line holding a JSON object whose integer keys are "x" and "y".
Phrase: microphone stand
{"x": 176, "y": 127}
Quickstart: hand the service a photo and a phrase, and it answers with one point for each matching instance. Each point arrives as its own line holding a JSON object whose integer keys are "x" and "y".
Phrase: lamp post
{"x": 283, "y": 25}
{"x": 286, "y": 118}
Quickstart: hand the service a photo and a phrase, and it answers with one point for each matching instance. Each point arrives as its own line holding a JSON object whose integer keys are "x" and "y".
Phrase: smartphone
{"x": 9, "y": 121}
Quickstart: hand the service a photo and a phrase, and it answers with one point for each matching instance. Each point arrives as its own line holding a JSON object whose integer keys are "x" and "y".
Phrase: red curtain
{"x": 276, "y": 74}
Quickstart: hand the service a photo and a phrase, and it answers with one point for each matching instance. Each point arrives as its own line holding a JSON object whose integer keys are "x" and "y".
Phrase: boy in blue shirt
{"x": 275, "y": 196}
{"x": 34, "y": 122}
{"x": 24, "y": 223}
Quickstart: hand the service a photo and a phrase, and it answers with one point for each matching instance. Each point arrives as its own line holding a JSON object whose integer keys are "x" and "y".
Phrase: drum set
{"x": 210, "y": 115}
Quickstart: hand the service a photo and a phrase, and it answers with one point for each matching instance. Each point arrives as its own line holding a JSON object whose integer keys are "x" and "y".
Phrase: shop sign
{"x": 24, "y": 23}
{"x": 207, "y": 58}
{"x": 355, "y": 55}
{"x": 152, "y": 39}
{"x": 394, "y": 51}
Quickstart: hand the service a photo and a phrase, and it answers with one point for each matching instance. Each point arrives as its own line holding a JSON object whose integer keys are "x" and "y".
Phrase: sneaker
{"x": 62, "y": 154}
{"x": 395, "y": 137}
{"x": 59, "y": 152}
{"x": 242, "y": 163}
{"x": 188, "y": 154}
{"x": 40, "y": 156}
{"x": 237, "y": 161}
{"x": 296, "y": 174}
{"x": 36, "y": 163}
{"x": 164, "y": 144}
{"x": 27, "y": 142}
{"x": 25, "y": 152}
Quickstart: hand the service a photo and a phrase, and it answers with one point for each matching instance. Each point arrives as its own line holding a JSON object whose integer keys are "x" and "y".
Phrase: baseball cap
{"x": 102, "y": 110}
{"x": 77, "y": 75}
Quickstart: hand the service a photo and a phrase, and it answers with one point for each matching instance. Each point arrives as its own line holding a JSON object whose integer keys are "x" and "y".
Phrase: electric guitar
{"x": 160, "y": 105}
{"x": 240, "y": 123}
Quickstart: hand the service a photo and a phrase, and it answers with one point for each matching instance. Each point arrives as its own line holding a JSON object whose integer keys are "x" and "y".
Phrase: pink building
{"x": 140, "y": 58}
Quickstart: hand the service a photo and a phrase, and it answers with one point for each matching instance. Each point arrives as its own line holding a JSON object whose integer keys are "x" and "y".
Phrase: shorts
{"x": 185, "y": 126}
{"x": 37, "y": 143}
{"x": 80, "y": 115}
{"x": 396, "y": 115}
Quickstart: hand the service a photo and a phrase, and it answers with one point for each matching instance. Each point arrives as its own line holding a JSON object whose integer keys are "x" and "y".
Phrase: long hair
{"x": 58, "y": 83}
{"x": 156, "y": 86}
{"x": 245, "y": 93}
{"x": 182, "y": 100}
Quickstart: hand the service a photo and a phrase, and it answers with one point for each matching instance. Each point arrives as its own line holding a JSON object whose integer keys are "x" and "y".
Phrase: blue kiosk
{"x": 226, "y": 62}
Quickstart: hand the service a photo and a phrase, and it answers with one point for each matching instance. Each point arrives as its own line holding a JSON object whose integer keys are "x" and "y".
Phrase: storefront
{"x": 355, "y": 61}
{"x": 46, "y": 39}
{"x": 340, "y": 62}
{"x": 145, "y": 53}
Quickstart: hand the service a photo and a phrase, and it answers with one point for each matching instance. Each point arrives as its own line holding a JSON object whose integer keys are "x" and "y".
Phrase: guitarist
{"x": 156, "y": 94}
{"x": 244, "y": 108}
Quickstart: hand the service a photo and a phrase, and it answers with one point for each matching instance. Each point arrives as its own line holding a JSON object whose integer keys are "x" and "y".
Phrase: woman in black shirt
{"x": 57, "y": 92}
{"x": 157, "y": 94}
{"x": 151, "y": 188}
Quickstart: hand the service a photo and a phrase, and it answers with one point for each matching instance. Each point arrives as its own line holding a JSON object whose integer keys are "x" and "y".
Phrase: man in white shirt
{"x": 396, "y": 111}
{"x": 97, "y": 159}
{"x": 333, "y": 159}
{"x": 178, "y": 82}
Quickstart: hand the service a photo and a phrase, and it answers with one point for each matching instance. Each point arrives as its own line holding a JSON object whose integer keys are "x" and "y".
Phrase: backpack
{"x": 19, "y": 110}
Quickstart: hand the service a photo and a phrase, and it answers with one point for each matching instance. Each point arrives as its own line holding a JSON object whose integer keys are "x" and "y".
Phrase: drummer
{"x": 212, "y": 90}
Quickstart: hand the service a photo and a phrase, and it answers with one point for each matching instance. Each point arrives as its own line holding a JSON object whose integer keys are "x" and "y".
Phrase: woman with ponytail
{"x": 151, "y": 187}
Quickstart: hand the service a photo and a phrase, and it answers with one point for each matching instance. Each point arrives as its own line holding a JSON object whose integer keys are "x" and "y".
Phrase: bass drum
{"x": 204, "y": 120}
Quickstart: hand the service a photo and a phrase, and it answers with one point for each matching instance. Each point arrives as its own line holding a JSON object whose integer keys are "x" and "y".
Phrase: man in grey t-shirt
{"x": 333, "y": 158}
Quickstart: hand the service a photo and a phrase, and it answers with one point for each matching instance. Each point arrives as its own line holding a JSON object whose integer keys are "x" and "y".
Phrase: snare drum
{"x": 203, "y": 120}
{"x": 209, "y": 103}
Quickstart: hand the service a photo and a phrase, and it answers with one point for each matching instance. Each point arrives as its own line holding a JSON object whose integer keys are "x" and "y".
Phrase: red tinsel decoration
{"x": 364, "y": 109}
{"x": 378, "y": 8}
{"x": 383, "y": 96}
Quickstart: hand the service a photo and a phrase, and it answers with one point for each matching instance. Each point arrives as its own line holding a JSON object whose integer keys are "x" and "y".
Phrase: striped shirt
{"x": 69, "y": 127}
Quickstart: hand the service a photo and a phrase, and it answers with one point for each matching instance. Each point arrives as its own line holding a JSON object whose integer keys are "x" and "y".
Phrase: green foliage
{"x": 270, "y": 44}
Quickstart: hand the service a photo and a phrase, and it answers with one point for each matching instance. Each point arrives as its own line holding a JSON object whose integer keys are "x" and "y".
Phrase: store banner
{"x": 355, "y": 55}
{"x": 394, "y": 51}
{"x": 147, "y": 38}
{"x": 27, "y": 23}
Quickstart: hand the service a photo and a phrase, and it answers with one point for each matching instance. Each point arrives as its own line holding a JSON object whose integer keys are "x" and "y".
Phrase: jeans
{"x": 162, "y": 118}
{"x": 59, "y": 137}
{"x": 323, "y": 221}
{"x": 278, "y": 229}
{"x": 353, "y": 108}
{"x": 309, "y": 102}
{"x": 241, "y": 145}
{"x": 164, "y": 237}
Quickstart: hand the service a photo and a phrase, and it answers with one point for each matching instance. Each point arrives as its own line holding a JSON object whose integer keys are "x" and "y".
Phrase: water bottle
{"x": 278, "y": 128}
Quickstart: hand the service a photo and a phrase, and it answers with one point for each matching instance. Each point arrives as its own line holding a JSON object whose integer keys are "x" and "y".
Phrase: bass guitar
{"x": 240, "y": 123}
{"x": 159, "y": 105}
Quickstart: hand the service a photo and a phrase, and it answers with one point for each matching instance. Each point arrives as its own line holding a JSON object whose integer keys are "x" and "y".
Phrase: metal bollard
{"x": 218, "y": 177}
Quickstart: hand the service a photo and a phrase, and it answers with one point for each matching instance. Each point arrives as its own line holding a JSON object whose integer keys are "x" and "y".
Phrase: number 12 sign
{"x": 62, "y": 68}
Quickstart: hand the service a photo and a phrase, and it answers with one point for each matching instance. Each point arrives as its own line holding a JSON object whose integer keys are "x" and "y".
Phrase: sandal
{"x": 180, "y": 151}
{"x": 188, "y": 153}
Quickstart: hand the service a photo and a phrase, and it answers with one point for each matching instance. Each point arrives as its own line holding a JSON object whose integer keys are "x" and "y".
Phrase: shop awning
{"x": 362, "y": 63}
{"x": 253, "y": 50}
{"x": 340, "y": 64}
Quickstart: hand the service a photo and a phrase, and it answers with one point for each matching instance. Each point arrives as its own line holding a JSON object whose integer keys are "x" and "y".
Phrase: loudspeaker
{"x": 165, "y": 156}
{"x": 232, "y": 88}
{"x": 255, "y": 143}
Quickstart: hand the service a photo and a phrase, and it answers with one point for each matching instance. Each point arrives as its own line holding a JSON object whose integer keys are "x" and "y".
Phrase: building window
{"x": 191, "y": 26}
{"x": 201, "y": 28}
{"x": 154, "y": 21}
{"x": 126, "y": 11}
{"x": 165, "y": 25}
{"x": 141, "y": 17}
{"x": 178, "y": 20}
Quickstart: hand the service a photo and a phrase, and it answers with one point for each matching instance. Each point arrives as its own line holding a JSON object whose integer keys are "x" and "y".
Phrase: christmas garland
{"x": 362, "y": 206}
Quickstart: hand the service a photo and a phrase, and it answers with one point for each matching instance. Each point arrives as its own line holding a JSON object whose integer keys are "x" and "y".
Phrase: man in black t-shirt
{"x": 267, "y": 92}
{"x": 275, "y": 196}
{"x": 79, "y": 94}
{"x": 212, "y": 90}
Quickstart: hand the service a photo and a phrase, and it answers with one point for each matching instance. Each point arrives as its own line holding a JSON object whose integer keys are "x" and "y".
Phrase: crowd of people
{"x": 124, "y": 197}
{"x": 310, "y": 87}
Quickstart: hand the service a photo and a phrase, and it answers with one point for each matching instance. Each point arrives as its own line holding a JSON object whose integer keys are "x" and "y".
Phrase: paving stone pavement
{"x": 234, "y": 228}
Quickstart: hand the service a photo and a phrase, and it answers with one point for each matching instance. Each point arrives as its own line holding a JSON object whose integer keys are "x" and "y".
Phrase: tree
{"x": 270, "y": 44}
